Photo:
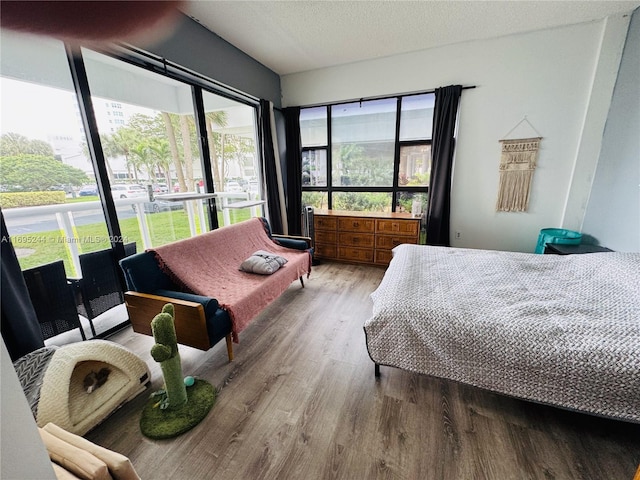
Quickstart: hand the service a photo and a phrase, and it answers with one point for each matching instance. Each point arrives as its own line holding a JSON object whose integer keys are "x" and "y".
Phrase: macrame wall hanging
{"x": 517, "y": 164}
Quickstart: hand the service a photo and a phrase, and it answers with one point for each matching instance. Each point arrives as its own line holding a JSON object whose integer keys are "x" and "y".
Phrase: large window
{"x": 147, "y": 131}
{"x": 231, "y": 131}
{"x": 147, "y": 124}
{"x": 47, "y": 184}
{"x": 144, "y": 133}
{"x": 363, "y": 143}
{"x": 371, "y": 155}
{"x": 149, "y": 137}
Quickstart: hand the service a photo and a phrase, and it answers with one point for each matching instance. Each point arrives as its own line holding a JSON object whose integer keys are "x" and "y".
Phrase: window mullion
{"x": 96, "y": 154}
{"x": 406, "y": 153}
{"x": 329, "y": 160}
{"x": 205, "y": 155}
{"x": 396, "y": 156}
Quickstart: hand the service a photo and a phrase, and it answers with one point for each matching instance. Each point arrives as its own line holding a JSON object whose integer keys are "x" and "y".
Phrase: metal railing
{"x": 24, "y": 220}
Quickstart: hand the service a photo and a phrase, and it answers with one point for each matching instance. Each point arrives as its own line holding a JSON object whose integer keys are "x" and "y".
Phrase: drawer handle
{"x": 356, "y": 224}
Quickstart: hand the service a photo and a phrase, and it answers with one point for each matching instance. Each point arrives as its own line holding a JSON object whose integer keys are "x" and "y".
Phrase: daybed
{"x": 201, "y": 276}
{"x": 554, "y": 329}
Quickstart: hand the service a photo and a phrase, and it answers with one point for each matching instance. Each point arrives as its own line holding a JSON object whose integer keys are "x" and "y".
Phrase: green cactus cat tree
{"x": 183, "y": 402}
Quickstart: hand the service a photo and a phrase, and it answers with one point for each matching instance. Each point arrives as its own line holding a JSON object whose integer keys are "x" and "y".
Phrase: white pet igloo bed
{"x": 54, "y": 380}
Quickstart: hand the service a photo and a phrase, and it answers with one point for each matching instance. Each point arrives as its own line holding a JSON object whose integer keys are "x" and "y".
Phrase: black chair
{"x": 99, "y": 288}
{"x": 52, "y": 298}
{"x": 130, "y": 249}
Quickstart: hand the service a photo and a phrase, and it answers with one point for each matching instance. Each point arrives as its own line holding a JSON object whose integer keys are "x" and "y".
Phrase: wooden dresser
{"x": 362, "y": 237}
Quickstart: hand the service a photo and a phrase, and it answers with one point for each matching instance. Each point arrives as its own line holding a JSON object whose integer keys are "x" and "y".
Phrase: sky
{"x": 22, "y": 111}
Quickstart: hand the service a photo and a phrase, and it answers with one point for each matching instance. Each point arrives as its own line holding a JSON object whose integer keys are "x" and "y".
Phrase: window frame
{"x": 198, "y": 84}
{"x": 395, "y": 189}
{"x": 80, "y": 89}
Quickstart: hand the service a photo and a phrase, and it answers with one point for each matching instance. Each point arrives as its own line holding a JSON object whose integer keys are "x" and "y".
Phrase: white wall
{"x": 561, "y": 79}
{"x": 613, "y": 214}
{"x": 23, "y": 454}
{"x": 196, "y": 48}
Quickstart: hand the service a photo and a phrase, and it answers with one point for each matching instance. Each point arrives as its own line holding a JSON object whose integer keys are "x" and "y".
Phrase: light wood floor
{"x": 300, "y": 401}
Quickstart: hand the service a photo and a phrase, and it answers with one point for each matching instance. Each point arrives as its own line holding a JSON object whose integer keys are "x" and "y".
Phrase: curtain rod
{"x": 382, "y": 97}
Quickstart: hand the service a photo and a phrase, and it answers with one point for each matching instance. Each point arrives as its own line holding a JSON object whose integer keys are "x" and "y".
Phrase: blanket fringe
{"x": 165, "y": 268}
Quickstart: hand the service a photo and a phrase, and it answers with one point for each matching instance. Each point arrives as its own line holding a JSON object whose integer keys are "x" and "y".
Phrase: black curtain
{"x": 20, "y": 328}
{"x": 442, "y": 147}
{"x": 269, "y": 168}
{"x": 294, "y": 169}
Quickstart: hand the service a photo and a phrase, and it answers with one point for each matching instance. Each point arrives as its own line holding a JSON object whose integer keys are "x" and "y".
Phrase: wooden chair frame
{"x": 190, "y": 321}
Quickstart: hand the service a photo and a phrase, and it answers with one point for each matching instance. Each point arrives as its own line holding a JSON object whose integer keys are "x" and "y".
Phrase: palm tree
{"x": 124, "y": 140}
{"x": 218, "y": 118}
{"x": 185, "y": 130}
{"x": 110, "y": 149}
{"x": 237, "y": 148}
{"x": 173, "y": 147}
{"x": 15, "y": 144}
{"x": 142, "y": 157}
{"x": 161, "y": 153}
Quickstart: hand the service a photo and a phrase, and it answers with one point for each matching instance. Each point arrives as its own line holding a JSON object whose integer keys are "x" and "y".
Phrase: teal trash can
{"x": 559, "y": 236}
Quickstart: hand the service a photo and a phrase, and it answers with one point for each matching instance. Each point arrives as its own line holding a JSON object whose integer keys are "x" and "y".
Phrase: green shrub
{"x": 30, "y": 199}
{"x": 362, "y": 201}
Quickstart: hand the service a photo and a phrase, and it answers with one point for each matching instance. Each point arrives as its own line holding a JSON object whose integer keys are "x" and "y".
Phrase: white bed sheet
{"x": 561, "y": 330}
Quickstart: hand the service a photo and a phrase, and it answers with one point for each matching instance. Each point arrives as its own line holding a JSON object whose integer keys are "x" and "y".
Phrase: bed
{"x": 562, "y": 330}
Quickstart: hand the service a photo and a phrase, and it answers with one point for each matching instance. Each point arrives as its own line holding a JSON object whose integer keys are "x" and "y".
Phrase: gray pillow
{"x": 263, "y": 263}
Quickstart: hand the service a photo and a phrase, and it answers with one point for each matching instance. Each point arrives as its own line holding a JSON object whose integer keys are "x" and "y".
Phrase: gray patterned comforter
{"x": 560, "y": 330}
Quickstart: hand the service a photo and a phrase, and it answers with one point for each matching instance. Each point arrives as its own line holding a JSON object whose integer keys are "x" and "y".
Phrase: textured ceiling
{"x": 295, "y": 36}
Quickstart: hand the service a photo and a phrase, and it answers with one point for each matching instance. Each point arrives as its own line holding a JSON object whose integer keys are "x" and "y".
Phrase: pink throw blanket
{"x": 209, "y": 265}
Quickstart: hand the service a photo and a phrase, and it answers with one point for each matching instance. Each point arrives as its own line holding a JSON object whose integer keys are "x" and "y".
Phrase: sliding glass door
{"x": 150, "y": 128}
{"x": 235, "y": 166}
{"x": 148, "y": 135}
{"x": 47, "y": 184}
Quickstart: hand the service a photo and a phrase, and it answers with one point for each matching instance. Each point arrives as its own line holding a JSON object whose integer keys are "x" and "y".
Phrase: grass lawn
{"x": 35, "y": 249}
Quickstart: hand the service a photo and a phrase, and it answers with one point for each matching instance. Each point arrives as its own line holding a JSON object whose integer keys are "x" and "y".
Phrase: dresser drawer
{"x": 325, "y": 223}
{"x": 398, "y": 227}
{"x": 324, "y": 236}
{"x": 356, "y": 224}
{"x": 383, "y": 257}
{"x": 391, "y": 241}
{"x": 327, "y": 251}
{"x": 356, "y": 239}
{"x": 355, "y": 254}
{"x": 362, "y": 237}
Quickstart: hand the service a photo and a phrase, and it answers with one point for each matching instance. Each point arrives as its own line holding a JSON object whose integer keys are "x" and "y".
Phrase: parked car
{"x": 233, "y": 186}
{"x": 160, "y": 206}
{"x": 128, "y": 191}
{"x": 160, "y": 188}
{"x": 88, "y": 191}
{"x": 61, "y": 188}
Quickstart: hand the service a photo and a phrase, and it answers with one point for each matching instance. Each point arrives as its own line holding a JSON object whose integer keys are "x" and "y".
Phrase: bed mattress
{"x": 557, "y": 329}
